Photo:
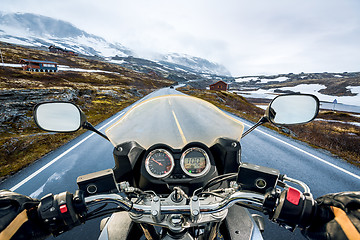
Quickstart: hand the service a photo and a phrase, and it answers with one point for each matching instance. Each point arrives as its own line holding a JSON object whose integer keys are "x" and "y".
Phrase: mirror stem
{"x": 90, "y": 127}
{"x": 262, "y": 120}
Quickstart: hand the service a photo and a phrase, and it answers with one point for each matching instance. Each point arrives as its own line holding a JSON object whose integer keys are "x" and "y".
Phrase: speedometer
{"x": 159, "y": 163}
{"x": 195, "y": 162}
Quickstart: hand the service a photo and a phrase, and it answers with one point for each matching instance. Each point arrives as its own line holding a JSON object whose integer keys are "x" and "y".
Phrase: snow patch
{"x": 117, "y": 61}
{"x": 336, "y": 121}
{"x": 67, "y": 68}
{"x": 279, "y": 79}
{"x": 262, "y": 106}
{"x": 305, "y": 88}
{"x": 10, "y": 65}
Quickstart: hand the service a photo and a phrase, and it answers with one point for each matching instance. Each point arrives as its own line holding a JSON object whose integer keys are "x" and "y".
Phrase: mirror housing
{"x": 290, "y": 109}
{"x": 59, "y": 117}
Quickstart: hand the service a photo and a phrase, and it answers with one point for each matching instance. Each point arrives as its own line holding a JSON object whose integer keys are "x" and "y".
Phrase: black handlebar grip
{"x": 293, "y": 208}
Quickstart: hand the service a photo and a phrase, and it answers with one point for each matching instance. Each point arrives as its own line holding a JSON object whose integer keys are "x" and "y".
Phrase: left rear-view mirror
{"x": 58, "y": 117}
{"x": 292, "y": 109}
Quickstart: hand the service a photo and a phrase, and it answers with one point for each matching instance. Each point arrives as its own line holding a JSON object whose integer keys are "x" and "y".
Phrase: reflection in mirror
{"x": 58, "y": 117}
{"x": 293, "y": 109}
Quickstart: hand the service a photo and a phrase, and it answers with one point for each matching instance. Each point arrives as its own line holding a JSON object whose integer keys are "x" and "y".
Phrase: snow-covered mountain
{"x": 36, "y": 30}
{"x": 196, "y": 63}
{"x": 41, "y": 31}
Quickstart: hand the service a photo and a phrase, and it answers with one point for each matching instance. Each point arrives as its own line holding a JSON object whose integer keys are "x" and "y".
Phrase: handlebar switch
{"x": 58, "y": 213}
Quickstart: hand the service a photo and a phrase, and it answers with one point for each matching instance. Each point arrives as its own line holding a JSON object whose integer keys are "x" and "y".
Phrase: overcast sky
{"x": 247, "y": 37}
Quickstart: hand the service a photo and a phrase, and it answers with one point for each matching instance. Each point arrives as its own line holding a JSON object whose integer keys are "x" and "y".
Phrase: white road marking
{"x": 60, "y": 156}
{"x": 309, "y": 154}
{"x": 179, "y": 128}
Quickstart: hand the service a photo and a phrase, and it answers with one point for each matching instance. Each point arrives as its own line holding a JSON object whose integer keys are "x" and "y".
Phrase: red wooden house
{"x": 38, "y": 66}
{"x": 219, "y": 86}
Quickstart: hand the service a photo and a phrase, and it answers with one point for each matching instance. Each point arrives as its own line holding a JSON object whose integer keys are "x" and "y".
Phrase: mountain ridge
{"x": 41, "y": 31}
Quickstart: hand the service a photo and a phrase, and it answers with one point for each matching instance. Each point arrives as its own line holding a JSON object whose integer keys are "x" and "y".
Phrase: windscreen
{"x": 175, "y": 120}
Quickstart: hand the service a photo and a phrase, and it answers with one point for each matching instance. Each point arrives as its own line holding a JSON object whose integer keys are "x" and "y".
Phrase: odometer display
{"x": 159, "y": 163}
{"x": 195, "y": 162}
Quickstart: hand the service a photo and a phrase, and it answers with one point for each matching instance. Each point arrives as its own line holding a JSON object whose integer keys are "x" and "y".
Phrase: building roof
{"x": 36, "y": 61}
{"x": 218, "y": 83}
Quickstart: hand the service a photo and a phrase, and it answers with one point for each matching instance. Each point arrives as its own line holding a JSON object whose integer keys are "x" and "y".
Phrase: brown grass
{"x": 342, "y": 139}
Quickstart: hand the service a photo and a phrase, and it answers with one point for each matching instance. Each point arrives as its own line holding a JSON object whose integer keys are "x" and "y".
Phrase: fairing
{"x": 175, "y": 120}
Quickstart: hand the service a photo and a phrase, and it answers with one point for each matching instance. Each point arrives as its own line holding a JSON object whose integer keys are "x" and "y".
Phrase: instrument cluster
{"x": 162, "y": 162}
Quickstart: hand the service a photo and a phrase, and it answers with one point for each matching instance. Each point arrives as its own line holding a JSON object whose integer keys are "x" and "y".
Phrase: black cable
{"x": 212, "y": 193}
{"x": 214, "y": 182}
{"x": 104, "y": 212}
{"x": 249, "y": 206}
{"x": 222, "y": 177}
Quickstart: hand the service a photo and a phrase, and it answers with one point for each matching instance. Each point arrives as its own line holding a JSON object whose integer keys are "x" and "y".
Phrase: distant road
{"x": 340, "y": 107}
{"x": 330, "y": 106}
{"x": 57, "y": 172}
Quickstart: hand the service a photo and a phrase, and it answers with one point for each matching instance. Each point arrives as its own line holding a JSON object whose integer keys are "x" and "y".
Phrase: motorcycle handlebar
{"x": 248, "y": 197}
{"x": 290, "y": 207}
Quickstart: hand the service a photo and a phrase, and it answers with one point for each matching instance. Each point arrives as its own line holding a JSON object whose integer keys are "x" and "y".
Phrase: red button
{"x": 63, "y": 208}
{"x": 293, "y": 196}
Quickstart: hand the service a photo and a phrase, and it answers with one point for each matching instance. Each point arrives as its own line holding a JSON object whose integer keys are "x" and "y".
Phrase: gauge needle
{"x": 156, "y": 161}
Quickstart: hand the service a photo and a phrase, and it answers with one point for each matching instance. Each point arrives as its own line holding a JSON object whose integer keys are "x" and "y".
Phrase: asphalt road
{"x": 57, "y": 172}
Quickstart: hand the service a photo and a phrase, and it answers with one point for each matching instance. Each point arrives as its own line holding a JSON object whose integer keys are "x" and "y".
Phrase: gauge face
{"x": 195, "y": 162}
{"x": 159, "y": 163}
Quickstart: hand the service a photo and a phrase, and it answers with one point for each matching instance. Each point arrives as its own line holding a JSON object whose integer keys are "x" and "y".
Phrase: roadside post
{"x": 2, "y": 60}
{"x": 334, "y": 102}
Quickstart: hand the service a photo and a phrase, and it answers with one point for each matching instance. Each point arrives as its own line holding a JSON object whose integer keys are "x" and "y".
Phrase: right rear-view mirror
{"x": 292, "y": 109}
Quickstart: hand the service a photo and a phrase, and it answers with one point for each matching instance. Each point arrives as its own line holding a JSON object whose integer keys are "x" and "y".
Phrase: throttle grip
{"x": 293, "y": 208}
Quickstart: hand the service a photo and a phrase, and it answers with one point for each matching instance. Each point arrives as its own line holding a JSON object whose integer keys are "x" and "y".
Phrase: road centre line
{"x": 307, "y": 153}
{"x": 179, "y": 128}
{"x": 60, "y": 156}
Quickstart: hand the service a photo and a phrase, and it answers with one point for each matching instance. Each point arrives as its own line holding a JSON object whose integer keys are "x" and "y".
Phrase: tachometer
{"x": 159, "y": 163}
{"x": 195, "y": 162}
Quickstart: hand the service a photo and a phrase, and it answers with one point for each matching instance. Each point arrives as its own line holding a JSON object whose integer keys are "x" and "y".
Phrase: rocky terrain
{"x": 16, "y": 103}
{"x": 100, "y": 94}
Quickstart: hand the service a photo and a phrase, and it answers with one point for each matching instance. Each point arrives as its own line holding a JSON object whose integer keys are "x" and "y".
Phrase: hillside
{"x": 99, "y": 95}
{"x": 331, "y": 84}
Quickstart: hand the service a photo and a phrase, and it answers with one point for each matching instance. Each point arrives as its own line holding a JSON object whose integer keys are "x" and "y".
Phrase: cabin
{"x": 38, "y": 66}
{"x": 55, "y": 49}
{"x": 219, "y": 86}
